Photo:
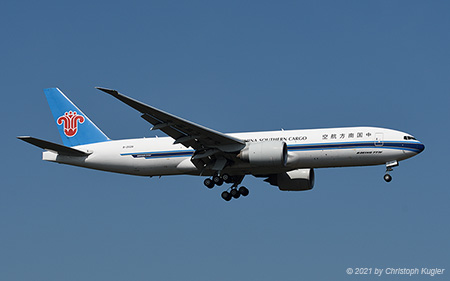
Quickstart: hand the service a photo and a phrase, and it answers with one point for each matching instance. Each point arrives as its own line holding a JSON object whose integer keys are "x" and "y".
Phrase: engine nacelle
{"x": 268, "y": 153}
{"x": 296, "y": 180}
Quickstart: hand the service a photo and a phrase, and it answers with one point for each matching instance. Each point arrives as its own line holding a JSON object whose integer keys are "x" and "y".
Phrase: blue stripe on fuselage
{"x": 161, "y": 154}
{"x": 410, "y": 146}
{"x": 400, "y": 145}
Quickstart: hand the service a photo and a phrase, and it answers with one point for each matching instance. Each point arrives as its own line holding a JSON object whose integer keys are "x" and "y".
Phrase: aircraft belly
{"x": 112, "y": 163}
{"x": 164, "y": 166}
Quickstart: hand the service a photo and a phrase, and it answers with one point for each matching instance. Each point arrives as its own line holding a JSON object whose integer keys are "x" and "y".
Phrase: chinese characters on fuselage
{"x": 342, "y": 136}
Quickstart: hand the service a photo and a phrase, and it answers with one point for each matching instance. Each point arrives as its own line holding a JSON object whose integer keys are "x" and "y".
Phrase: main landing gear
{"x": 389, "y": 168}
{"x": 233, "y": 191}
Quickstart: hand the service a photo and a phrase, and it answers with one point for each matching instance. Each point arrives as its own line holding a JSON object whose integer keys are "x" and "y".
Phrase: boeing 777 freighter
{"x": 285, "y": 158}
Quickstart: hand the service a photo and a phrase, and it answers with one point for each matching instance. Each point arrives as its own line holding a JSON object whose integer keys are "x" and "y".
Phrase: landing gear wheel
{"x": 243, "y": 191}
{"x": 226, "y": 178}
{"x": 235, "y": 193}
{"x": 217, "y": 180}
{"x": 226, "y": 196}
{"x": 208, "y": 183}
{"x": 387, "y": 178}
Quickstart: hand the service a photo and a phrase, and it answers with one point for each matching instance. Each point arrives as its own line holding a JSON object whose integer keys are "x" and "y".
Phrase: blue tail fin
{"x": 74, "y": 126}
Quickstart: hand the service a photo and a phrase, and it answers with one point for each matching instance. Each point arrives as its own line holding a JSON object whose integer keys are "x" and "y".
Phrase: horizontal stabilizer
{"x": 60, "y": 149}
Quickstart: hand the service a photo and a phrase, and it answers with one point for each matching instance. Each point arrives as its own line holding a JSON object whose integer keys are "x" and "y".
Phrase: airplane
{"x": 285, "y": 158}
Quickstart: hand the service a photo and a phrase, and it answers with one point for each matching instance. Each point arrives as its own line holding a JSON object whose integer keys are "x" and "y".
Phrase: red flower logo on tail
{"x": 70, "y": 120}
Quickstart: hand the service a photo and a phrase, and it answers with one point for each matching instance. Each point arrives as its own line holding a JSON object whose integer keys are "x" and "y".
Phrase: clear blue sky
{"x": 232, "y": 66}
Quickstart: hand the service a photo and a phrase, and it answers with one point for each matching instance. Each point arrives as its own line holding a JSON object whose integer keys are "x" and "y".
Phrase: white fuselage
{"x": 315, "y": 148}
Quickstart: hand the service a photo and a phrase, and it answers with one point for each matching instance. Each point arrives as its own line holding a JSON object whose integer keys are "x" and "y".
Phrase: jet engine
{"x": 296, "y": 180}
{"x": 268, "y": 153}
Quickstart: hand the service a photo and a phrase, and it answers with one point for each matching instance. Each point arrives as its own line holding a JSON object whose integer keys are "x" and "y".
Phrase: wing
{"x": 205, "y": 141}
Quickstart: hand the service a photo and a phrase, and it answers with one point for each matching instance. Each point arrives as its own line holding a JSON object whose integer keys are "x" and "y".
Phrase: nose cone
{"x": 420, "y": 147}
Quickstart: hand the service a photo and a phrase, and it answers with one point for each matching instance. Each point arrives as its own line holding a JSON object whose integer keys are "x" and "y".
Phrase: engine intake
{"x": 268, "y": 153}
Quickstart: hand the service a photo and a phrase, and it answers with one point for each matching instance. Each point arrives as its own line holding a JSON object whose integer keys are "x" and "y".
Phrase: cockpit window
{"x": 409, "y": 138}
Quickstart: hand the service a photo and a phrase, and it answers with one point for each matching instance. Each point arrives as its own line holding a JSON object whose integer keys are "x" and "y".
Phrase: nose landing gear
{"x": 389, "y": 168}
{"x": 387, "y": 177}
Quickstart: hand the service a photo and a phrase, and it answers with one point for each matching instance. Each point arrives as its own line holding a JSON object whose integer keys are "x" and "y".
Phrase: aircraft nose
{"x": 420, "y": 147}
